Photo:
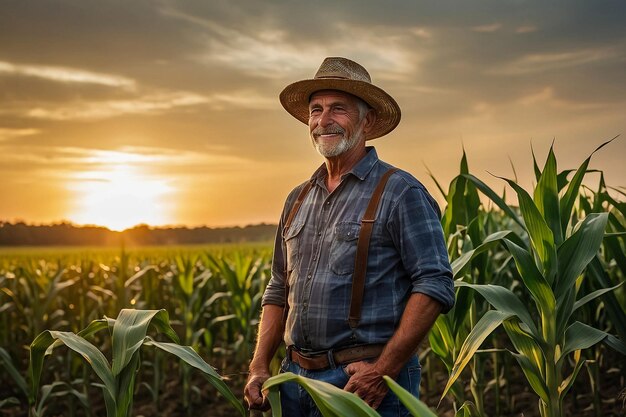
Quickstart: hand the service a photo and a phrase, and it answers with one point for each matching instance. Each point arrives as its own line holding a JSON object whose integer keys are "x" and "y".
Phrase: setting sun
{"x": 119, "y": 195}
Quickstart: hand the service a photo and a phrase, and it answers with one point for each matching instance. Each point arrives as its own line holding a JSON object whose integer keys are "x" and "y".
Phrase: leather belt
{"x": 319, "y": 361}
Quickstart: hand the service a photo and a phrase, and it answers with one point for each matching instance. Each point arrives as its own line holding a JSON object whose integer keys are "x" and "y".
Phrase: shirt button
{"x": 308, "y": 277}
{"x": 319, "y": 233}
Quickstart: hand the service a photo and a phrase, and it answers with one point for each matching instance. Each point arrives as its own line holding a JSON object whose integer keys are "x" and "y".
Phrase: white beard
{"x": 330, "y": 150}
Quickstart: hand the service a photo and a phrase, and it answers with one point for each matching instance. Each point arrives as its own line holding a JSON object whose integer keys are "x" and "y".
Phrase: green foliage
{"x": 551, "y": 254}
{"x": 335, "y": 402}
{"x": 128, "y": 335}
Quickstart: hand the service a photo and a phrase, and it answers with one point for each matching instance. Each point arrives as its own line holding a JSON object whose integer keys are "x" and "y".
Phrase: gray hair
{"x": 363, "y": 107}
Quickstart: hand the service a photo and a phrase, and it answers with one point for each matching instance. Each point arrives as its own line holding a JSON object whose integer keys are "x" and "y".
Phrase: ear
{"x": 370, "y": 120}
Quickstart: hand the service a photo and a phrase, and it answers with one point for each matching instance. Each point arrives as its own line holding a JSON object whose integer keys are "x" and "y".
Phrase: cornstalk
{"x": 496, "y": 376}
{"x": 553, "y": 380}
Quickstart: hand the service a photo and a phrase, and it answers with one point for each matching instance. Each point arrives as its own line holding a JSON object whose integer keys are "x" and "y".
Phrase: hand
{"x": 366, "y": 382}
{"x": 253, "y": 393}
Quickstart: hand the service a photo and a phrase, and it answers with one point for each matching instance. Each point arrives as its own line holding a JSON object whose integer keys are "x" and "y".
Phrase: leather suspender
{"x": 362, "y": 250}
{"x": 360, "y": 261}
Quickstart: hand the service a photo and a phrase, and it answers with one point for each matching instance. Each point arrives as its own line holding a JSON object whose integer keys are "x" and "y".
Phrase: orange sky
{"x": 163, "y": 112}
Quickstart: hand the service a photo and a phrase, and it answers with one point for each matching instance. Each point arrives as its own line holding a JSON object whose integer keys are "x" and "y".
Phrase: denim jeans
{"x": 296, "y": 402}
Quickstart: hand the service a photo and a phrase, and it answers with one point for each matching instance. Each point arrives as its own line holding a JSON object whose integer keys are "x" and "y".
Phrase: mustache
{"x": 330, "y": 130}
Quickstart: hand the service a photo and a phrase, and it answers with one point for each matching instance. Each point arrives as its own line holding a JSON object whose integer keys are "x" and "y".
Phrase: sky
{"x": 166, "y": 112}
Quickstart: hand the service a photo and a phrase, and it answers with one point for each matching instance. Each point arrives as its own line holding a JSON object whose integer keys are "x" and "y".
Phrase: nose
{"x": 325, "y": 118}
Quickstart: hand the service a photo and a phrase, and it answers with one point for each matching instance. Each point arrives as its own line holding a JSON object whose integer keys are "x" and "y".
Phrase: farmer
{"x": 348, "y": 318}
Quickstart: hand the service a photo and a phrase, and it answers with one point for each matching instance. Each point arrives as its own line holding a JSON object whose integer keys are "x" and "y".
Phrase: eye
{"x": 314, "y": 111}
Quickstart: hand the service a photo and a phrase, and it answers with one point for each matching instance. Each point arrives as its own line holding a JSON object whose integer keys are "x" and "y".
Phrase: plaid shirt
{"x": 407, "y": 254}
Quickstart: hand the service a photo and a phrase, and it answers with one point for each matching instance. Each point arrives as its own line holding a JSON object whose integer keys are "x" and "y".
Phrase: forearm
{"x": 271, "y": 329}
{"x": 419, "y": 316}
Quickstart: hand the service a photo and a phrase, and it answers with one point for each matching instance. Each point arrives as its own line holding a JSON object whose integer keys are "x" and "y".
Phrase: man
{"x": 334, "y": 331}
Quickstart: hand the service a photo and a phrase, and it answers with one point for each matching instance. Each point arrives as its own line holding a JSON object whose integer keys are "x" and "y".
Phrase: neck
{"x": 339, "y": 165}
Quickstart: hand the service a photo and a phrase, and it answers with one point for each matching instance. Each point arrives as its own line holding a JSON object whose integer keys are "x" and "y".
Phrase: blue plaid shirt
{"x": 407, "y": 254}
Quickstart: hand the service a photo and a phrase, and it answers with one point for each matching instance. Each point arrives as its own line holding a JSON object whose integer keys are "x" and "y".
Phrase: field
{"x": 537, "y": 329}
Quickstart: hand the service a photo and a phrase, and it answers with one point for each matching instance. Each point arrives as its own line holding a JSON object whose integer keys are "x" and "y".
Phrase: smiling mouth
{"x": 327, "y": 135}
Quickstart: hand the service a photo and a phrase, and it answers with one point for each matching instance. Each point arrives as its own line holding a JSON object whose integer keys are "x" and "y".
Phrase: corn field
{"x": 538, "y": 327}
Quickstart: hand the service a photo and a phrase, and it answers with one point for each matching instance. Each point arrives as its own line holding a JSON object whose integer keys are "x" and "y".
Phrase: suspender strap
{"x": 360, "y": 262}
{"x": 292, "y": 213}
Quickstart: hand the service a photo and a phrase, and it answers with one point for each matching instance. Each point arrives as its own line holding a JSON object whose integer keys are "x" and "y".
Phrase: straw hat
{"x": 345, "y": 75}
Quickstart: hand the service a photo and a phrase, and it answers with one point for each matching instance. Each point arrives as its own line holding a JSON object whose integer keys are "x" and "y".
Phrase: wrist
{"x": 383, "y": 367}
{"x": 259, "y": 367}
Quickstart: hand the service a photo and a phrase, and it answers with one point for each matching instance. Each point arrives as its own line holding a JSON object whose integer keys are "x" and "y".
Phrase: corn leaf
{"x": 494, "y": 197}
{"x": 192, "y": 358}
{"x": 535, "y": 165}
{"x": 487, "y": 324}
{"x": 568, "y": 200}
{"x": 462, "y": 306}
{"x": 533, "y": 377}
{"x": 416, "y": 407}
{"x": 59, "y": 389}
{"x": 591, "y": 296}
{"x": 7, "y": 362}
{"x": 615, "y": 344}
{"x": 526, "y": 345}
{"x": 533, "y": 279}
{"x": 611, "y": 303}
{"x": 580, "y": 336}
{"x": 138, "y": 275}
{"x": 569, "y": 381}
{"x": 6, "y": 402}
{"x": 459, "y": 264}
{"x": 504, "y": 300}
{"x": 468, "y": 409}
{"x": 441, "y": 340}
{"x": 331, "y": 401}
{"x": 546, "y": 197}
{"x": 578, "y": 250}
{"x": 89, "y": 352}
{"x": 126, "y": 387}
{"x": 538, "y": 230}
{"x": 129, "y": 331}
{"x": 273, "y": 396}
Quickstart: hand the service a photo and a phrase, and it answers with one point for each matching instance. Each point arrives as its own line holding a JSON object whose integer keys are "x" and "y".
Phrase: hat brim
{"x": 295, "y": 99}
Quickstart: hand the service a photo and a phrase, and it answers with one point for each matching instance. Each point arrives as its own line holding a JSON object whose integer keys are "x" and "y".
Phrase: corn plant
{"x": 472, "y": 233}
{"x": 550, "y": 257}
{"x": 129, "y": 333}
{"x": 335, "y": 402}
{"x": 245, "y": 278}
{"x": 7, "y": 365}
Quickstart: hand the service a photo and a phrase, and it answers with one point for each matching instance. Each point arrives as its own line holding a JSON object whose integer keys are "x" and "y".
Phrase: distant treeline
{"x": 67, "y": 234}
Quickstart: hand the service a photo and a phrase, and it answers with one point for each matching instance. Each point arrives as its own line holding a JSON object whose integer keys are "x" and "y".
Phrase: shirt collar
{"x": 360, "y": 170}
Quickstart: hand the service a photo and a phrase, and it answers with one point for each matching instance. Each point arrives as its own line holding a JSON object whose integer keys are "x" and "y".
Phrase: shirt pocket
{"x": 292, "y": 243}
{"x": 343, "y": 247}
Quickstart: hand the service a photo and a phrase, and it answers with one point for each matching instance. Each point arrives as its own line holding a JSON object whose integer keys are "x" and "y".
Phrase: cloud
{"x": 96, "y": 110}
{"x": 526, "y": 29}
{"x": 67, "y": 159}
{"x": 276, "y": 53}
{"x": 487, "y": 28}
{"x": 6, "y": 133}
{"x": 547, "y": 96}
{"x": 66, "y": 75}
{"x": 542, "y": 62}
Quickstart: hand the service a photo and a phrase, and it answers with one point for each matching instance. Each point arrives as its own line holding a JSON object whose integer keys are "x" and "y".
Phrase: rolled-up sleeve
{"x": 416, "y": 229}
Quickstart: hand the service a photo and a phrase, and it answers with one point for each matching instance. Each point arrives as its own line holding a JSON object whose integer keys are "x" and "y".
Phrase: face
{"x": 335, "y": 123}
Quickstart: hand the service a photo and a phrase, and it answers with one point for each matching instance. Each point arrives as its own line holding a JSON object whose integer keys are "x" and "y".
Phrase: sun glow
{"x": 120, "y": 196}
